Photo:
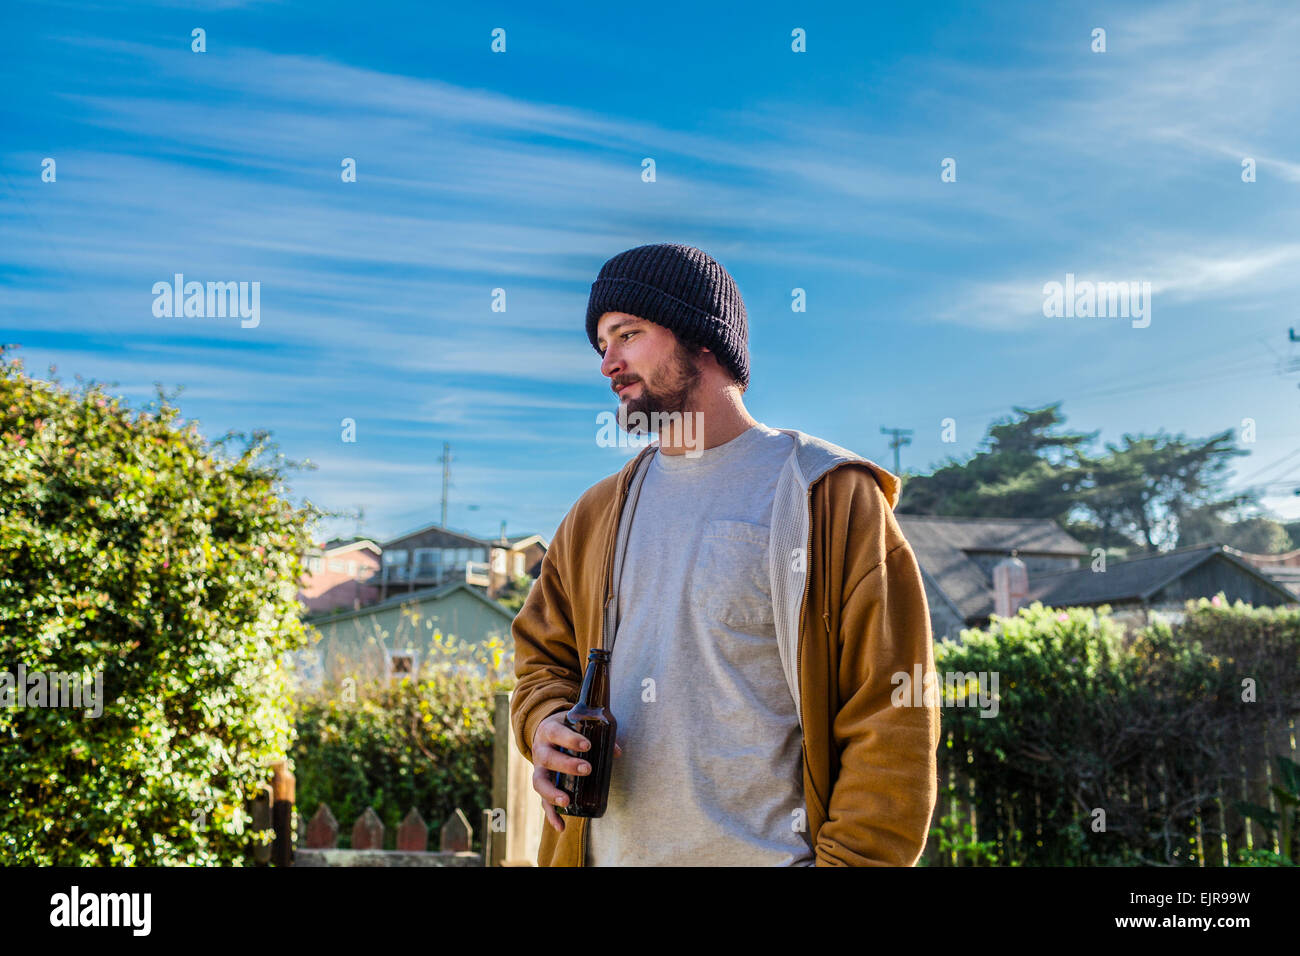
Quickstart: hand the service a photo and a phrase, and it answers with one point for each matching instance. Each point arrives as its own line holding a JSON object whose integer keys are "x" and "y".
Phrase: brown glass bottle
{"x": 590, "y": 716}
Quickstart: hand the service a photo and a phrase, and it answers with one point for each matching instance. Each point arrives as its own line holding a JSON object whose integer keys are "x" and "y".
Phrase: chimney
{"x": 1010, "y": 586}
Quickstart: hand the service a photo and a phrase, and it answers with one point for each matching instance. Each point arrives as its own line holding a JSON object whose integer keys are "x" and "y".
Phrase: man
{"x": 768, "y": 606}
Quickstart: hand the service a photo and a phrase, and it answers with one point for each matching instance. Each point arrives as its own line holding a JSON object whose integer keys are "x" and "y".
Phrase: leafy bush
{"x": 423, "y": 744}
{"x": 1146, "y": 731}
{"x": 132, "y": 547}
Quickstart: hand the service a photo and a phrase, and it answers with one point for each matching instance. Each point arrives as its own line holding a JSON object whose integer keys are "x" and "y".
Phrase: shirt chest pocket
{"x": 729, "y": 579}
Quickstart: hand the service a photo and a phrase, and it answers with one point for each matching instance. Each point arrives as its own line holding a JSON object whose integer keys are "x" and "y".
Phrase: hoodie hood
{"x": 816, "y": 456}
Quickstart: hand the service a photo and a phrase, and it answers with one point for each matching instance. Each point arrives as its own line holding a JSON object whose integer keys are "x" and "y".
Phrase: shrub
{"x": 423, "y": 744}
{"x": 1147, "y": 733}
{"x": 131, "y": 547}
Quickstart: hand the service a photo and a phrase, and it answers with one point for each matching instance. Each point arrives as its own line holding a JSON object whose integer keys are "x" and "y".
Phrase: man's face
{"x": 649, "y": 369}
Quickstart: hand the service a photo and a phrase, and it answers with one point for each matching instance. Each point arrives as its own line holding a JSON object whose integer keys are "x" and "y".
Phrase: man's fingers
{"x": 551, "y": 759}
{"x": 553, "y": 818}
{"x": 554, "y": 732}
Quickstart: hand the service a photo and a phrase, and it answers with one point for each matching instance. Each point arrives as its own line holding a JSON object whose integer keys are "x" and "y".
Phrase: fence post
{"x": 282, "y": 790}
{"x": 413, "y": 834}
{"x": 323, "y": 830}
{"x": 261, "y": 813}
{"x": 368, "y": 831}
{"x": 502, "y": 741}
{"x": 456, "y": 833}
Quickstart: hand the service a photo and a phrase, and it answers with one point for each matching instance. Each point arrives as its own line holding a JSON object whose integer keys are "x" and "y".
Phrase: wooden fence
{"x": 1204, "y": 820}
{"x": 320, "y": 842}
{"x": 510, "y": 828}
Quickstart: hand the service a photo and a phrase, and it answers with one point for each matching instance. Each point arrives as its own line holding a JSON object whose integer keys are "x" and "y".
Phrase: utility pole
{"x": 901, "y": 437}
{"x": 446, "y": 475}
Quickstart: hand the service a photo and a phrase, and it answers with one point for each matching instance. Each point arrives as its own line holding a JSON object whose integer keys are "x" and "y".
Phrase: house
{"x": 393, "y": 637}
{"x": 515, "y": 557}
{"x": 1284, "y": 569}
{"x": 957, "y": 557}
{"x": 434, "y": 555}
{"x": 1161, "y": 582}
{"x": 339, "y": 573}
{"x": 972, "y": 568}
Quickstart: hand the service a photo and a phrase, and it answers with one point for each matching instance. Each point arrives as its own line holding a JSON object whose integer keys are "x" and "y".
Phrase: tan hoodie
{"x": 851, "y": 628}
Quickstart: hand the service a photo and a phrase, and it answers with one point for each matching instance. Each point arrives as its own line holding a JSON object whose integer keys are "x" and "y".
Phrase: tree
{"x": 136, "y": 553}
{"x": 1138, "y": 493}
{"x": 1258, "y": 535}
{"x": 1150, "y": 492}
{"x": 1025, "y": 470}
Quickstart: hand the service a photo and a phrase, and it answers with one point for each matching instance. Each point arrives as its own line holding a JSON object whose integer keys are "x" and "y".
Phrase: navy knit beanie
{"x": 681, "y": 288}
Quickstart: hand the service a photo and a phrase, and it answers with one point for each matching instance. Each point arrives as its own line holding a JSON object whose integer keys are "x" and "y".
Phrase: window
{"x": 499, "y": 561}
{"x": 352, "y": 568}
{"x": 403, "y": 664}
{"x": 395, "y": 557}
{"x": 314, "y": 565}
{"x": 336, "y": 564}
{"x": 519, "y": 563}
{"x": 426, "y": 560}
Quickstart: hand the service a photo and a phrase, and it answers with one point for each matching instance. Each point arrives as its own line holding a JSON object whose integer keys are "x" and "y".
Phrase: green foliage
{"x": 1089, "y": 721}
{"x": 1150, "y": 492}
{"x": 1285, "y": 821}
{"x": 425, "y": 744}
{"x": 956, "y": 842}
{"x": 1019, "y": 472}
{"x": 131, "y": 547}
{"x": 512, "y": 596}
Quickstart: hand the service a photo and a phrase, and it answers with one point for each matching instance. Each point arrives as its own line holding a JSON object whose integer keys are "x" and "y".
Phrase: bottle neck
{"x": 595, "y": 685}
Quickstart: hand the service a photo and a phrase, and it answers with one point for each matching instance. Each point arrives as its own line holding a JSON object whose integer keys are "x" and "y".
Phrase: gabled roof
{"x": 406, "y": 597}
{"x": 458, "y": 539}
{"x": 942, "y": 546}
{"x": 452, "y": 539}
{"x": 1137, "y": 579}
{"x": 343, "y": 545}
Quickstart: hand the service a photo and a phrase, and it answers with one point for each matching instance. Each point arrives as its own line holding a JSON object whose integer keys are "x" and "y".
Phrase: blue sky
{"x": 522, "y": 170}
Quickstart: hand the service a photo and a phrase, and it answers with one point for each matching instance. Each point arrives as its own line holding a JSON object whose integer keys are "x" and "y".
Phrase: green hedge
{"x": 1087, "y": 720}
{"x": 424, "y": 744}
{"x": 131, "y": 547}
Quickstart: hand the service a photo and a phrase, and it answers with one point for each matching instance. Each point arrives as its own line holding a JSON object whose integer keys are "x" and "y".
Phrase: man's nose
{"x": 611, "y": 364}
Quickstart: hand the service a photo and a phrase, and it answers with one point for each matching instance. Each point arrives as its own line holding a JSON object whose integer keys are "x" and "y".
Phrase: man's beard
{"x": 671, "y": 393}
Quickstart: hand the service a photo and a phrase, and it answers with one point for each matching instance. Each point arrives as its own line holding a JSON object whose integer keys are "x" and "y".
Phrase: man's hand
{"x": 552, "y": 733}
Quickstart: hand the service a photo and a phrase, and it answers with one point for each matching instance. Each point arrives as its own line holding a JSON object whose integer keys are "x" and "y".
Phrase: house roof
{"x": 942, "y": 546}
{"x": 406, "y": 597}
{"x": 460, "y": 539}
{"x": 1137, "y": 579}
{"x": 523, "y": 540}
{"x": 343, "y": 545}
